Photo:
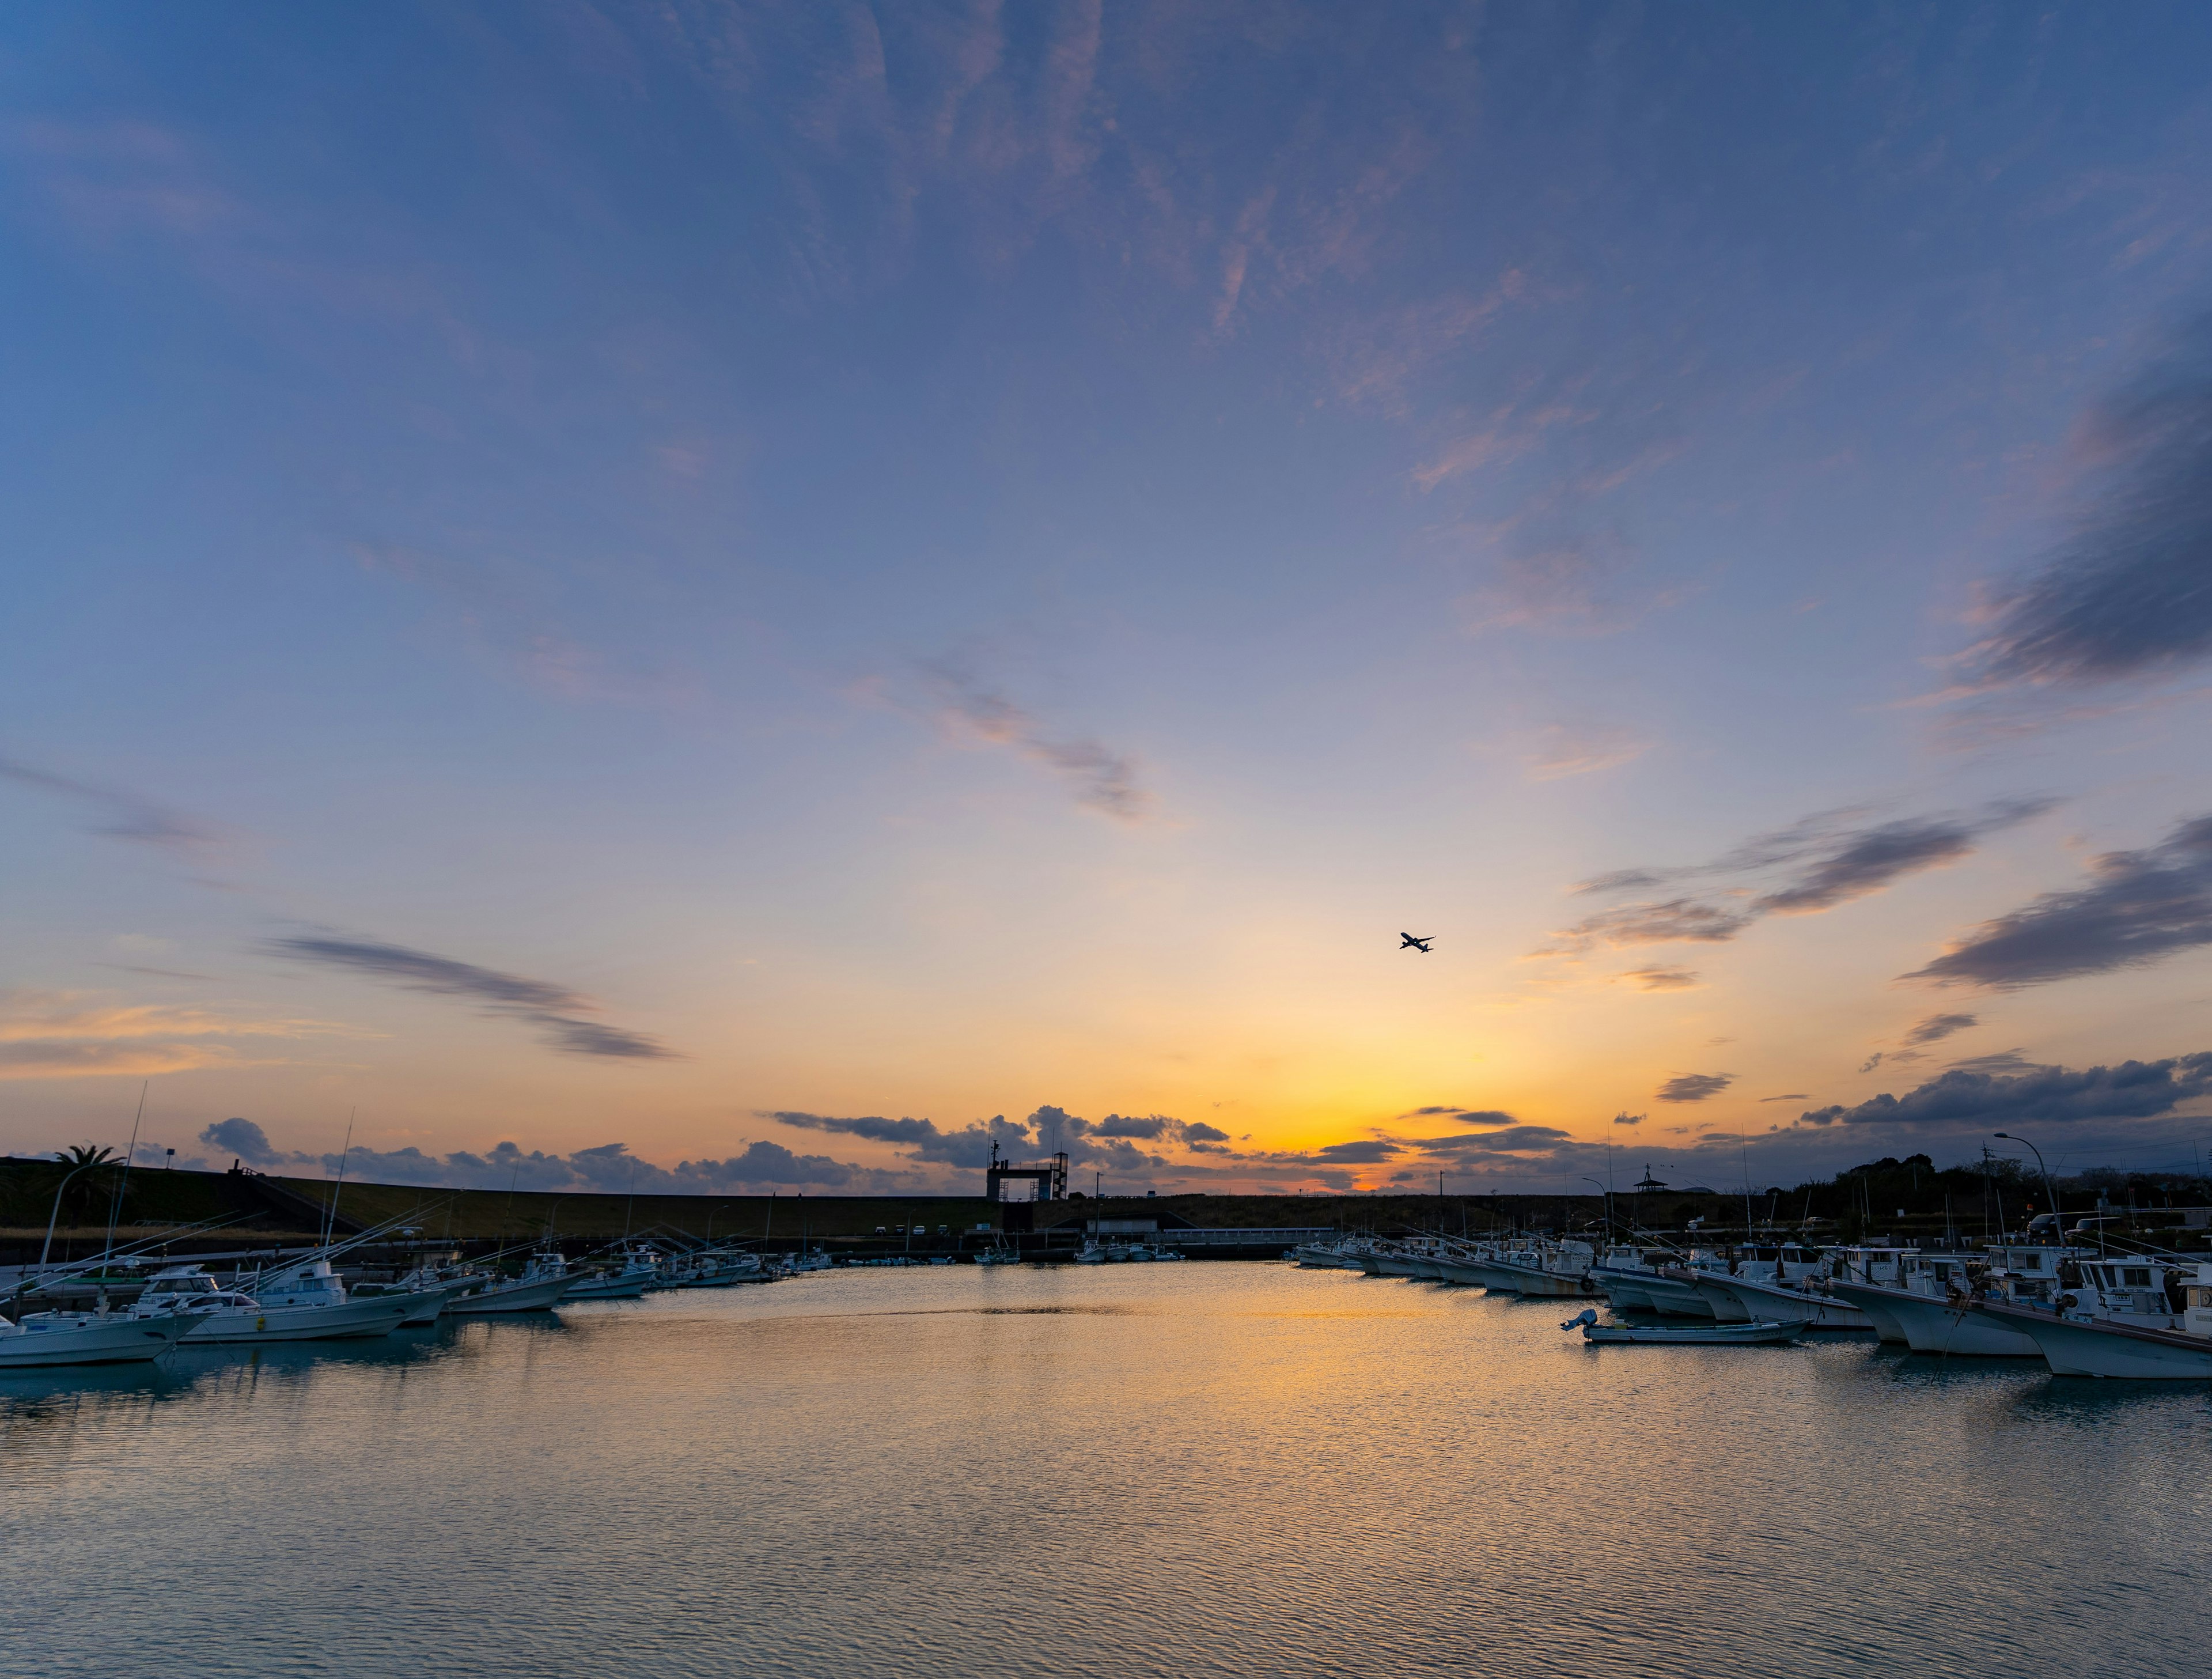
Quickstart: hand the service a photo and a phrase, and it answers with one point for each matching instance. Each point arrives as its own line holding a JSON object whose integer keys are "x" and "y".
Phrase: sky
{"x": 767, "y": 597}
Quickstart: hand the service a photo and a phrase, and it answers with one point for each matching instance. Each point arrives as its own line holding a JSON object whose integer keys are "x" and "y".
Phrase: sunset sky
{"x": 784, "y": 590}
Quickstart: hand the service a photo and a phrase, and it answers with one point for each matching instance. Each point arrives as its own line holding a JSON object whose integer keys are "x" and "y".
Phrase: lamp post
{"x": 57, "y": 1212}
{"x": 2057, "y": 1223}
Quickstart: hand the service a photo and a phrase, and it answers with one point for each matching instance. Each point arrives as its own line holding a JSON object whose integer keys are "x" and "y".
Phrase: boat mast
{"x": 330, "y": 1213}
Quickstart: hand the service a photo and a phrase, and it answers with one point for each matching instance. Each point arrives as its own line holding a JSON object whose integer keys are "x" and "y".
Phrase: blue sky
{"x": 711, "y": 582}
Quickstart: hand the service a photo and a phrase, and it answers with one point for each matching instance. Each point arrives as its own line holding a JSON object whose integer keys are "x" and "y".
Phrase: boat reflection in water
{"x": 1286, "y": 1448}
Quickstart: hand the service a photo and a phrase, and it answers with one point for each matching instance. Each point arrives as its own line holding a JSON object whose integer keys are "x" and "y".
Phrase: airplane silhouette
{"x": 1407, "y": 941}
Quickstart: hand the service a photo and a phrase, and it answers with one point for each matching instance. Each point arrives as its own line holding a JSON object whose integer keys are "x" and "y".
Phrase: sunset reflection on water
{"x": 1201, "y": 1468}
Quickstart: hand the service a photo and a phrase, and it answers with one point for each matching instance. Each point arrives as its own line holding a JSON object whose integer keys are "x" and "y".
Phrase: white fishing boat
{"x": 1091, "y": 1254}
{"x": 1463, "y": 1269}
{"x": 607, "y": 1285}
{"x": 718, "y": 1268}
{"x": 1559, "y": 1270}
{"x": 1927, "y": 1308}
{"x": 45, "y": 1340}
{"x": 306, "y": 1302}
{"x": 424, "y": 1290}
{"x": 1778, "y": 1284}
{"x": 637, "y": 1268}
{"x": 1672, "y": 1287}
{"x": 1618, "y": 1273}
{"x": 544, "y": 1284}
{"x": 998, "y": 1257}
{"x": 2124, "y": 1344}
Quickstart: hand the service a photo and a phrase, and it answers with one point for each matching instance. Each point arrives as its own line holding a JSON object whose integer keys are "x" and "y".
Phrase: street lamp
{"x": 2058, "y": 1223}
{"x": 57, "y": 1212}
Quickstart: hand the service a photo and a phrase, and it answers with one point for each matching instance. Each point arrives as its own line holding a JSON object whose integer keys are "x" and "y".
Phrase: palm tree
{"x": 96, "y": 1166}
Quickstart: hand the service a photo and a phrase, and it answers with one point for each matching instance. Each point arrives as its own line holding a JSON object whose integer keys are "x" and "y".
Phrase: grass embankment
{"x": 1903, "y": 1202}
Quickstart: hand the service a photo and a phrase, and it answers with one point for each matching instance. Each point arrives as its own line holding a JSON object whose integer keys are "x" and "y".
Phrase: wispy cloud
{"x": 1662, "y": 979}
{"x": 2129, "y": 593}
{"x": 1464, "y": 1116}
{"x": 1937, "y": 1027}
{"x": 1695, "y": 1086}
{"x": 121, "y": 815}
{"x": 46, "y": 1034}
{"x": 2139, "y": 907}
{"x": 553, "y": 1008}
{"x": 1831, "y": 858}
{"x": 1564, "y": 750}
{"x": 510, "y": 615}
{"x": 1103, "y": 780}
{"x": 1671, "y": 920}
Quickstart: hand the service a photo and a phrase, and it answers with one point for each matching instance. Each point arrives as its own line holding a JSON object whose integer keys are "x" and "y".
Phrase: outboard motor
{"x": 1587, "y": 1317}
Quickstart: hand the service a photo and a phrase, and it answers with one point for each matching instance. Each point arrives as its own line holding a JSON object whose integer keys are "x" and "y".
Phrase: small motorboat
{"x": 1692, "y": 1334}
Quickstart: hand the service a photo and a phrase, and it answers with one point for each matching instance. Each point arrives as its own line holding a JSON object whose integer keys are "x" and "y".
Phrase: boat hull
{"x": 2075, "y": 1348}
{"x": 1624, "y": 1288}
{"x": 1534, "y": 1284}
{"x": 1874, "y": 1302}
{"x": 1691, "y": 1335}
{"x": 116, "y": 1340}
{"x": 1462, "y": 1271}
{"x": 1751, "y": 1301}
{"x": 612, "y": 1288}
{"x": 542, "y": 1296}
{"x": 1927, "y": 1324}
{"x": 1675, "y": 1297}
{"x": 380, "y": 1314}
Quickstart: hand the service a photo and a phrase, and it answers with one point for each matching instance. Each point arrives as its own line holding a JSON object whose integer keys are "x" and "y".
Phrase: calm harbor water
{"x": 1190, "y": 1470}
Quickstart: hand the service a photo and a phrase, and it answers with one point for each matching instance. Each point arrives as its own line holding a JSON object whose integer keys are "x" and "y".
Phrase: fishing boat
{"x": 1620, "y": 1272}
{"x": 1683, "y": 1335}
{"x": 1557, "y": 1271}
{"x": 306, "y": 1302}
{"x": 424, "y": 1289}
{"x": 45, "y": 1339}
{"x": 718, "y": 1268}
{"x": 544, "y": 1284}
{"x": 639, "y": 1269}
{"x": 608, "y": 1286}
{"x": 1927, "y": 1307}
{"x": 1779, "y": 1285}
{"x": 1672, "y": 1288}
{"x": 2075, "y": 1343}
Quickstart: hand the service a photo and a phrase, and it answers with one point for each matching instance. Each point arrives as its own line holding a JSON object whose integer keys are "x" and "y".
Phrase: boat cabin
{"x": 311, "y": 1285}
{"x": 189, "y": 1288}
{"x": 2197, "y": 1298}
